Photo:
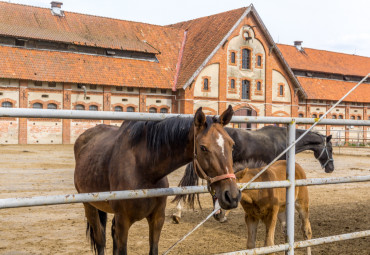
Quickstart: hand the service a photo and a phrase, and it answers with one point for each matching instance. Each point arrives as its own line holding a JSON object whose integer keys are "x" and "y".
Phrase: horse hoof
{"x": 175, "y": 219}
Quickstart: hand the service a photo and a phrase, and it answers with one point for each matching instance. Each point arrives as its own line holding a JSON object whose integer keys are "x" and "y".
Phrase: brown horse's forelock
{"x": 169, "y": 133}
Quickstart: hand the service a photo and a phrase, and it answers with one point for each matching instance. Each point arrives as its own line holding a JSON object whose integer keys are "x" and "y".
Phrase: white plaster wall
{"x": 130, "y": 100}
{"x": 211, "y": 71}
{"x": 78, "y": 127}
{"x": 14, "y": 95}
{"x": 44, "y": 132}
{"x": 8, "y": 131}
{"x": 252, "y": 74}
{"x": 52, "y": 96}
{"x": 283, "y": 107}
{"x": 278, "y": 78}
{"x": 152, "y": 101}
{"x": 210, "y": 104}
{"x": 93, "y": 99}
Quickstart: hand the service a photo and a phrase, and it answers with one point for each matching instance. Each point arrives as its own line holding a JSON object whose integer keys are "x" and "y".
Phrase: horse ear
{"x": 226, "y": 116}
{"x": 199, "y": 118}
{"x": 328, "y": 138}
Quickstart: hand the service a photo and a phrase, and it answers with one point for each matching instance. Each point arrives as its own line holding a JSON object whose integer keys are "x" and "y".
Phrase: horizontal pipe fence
{"x": 134, "y": 194}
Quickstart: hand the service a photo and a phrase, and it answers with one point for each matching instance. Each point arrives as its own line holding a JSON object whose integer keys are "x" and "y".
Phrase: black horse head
{"x": 324, "y": 154}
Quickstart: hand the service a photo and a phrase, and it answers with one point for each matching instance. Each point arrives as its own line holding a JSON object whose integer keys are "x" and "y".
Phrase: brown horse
{"x": 268, "y": 205}
{"x": 139, "y": 155}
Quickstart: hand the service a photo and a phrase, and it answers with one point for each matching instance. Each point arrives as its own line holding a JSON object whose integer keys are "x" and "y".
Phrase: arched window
{"x": 300, "y": 115}
{"x": 258, "y": 85}
{"x": 80, "y": 107}
{"x": 7, "y": 104}
{"x": 352, "y": 117}
{"x": 164, "y": 110}
{"x": 232, "y": 84}
{"x": 130, "y": 109}
{"x": 314, "y": 116}
{"x": 152, "y": 110}
{"x": 118, "y": 109}
{"x": 205, "y": 84}
{"x": 233, "y": 57}
{"x": 246, "y": 59}
{"x": 93, "y": 108}
{"x": 52, "y": 106}
{"x": 37, "y": 106}
{"x": 320, "y": 115}
{"x": 358, "y": 117}
{"x": 333, "y": 116}
{"x": 340, "y": 117}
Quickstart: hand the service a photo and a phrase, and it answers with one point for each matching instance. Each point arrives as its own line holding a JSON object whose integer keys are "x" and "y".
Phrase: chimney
{"x": 298, "y": 45}
{"x": 56, "y": 8}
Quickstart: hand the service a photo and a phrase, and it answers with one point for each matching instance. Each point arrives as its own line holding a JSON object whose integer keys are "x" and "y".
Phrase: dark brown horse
{"x": 139, "y": 155}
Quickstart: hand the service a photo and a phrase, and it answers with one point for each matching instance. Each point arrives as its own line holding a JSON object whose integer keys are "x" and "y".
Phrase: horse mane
{"x": 240, "y": 166}
{"x": 169, "y": 133}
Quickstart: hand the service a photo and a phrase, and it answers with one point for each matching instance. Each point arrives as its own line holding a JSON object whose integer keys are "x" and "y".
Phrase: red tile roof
{"x": 82, "y": 68}
{"x": 325, "y": 61}
{"x": 325, "y": 89}
{"x": 204, "y": 34}
{"x": 38, "y": 23}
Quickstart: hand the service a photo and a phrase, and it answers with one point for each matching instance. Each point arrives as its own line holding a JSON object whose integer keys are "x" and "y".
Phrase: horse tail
{"x": 190, "y": 178}
{"x": 90, "y": 232}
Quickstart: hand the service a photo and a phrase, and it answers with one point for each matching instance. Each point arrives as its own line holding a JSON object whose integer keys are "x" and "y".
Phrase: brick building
{"x": 51, "y": 59}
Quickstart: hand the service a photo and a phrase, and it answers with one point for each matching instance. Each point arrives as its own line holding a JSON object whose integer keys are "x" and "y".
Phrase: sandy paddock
{"x": 34, "y": 170}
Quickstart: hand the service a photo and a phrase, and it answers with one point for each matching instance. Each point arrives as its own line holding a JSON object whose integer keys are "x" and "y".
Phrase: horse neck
{"x": 170, "y": 159}
{"x": 311, "y": 141}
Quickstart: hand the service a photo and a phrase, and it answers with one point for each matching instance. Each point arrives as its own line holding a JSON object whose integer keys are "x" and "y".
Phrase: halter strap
{"x": 201, "y": 174}
{"x": 325, "y": 149}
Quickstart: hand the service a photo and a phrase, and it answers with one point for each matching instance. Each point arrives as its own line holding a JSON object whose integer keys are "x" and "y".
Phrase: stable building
{"x": 52, "y": 59}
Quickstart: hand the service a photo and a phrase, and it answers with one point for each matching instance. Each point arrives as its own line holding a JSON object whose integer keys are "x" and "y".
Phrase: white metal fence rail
{"x": 77, "y": 198}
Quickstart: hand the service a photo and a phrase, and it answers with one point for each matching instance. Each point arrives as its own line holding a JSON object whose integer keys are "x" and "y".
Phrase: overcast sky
{"x": 334, "y": 25}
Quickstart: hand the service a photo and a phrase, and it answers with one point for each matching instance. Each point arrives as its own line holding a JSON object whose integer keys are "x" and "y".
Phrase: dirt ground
{"x": 35, "y": 170}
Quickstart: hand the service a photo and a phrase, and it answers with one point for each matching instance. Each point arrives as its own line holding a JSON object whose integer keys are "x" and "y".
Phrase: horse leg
{"x": 120, "y": 234}
{"x": 156, "y": 221}
{"x": 96, "y": 223}
{"x": 303, "y": 210}
{"x": 270, "y": 223}
{"x": 282, "y": 219}
{"x": 113, "y": 236}
{"x": 252, "y": 224}
{"x": 177, "y": 215}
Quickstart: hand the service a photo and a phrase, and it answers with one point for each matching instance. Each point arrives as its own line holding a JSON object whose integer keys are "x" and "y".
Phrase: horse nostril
{"x": 228, "y": 197}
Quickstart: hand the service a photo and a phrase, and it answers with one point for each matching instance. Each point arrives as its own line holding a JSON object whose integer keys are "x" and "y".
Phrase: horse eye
{"x": 203, "y": 148}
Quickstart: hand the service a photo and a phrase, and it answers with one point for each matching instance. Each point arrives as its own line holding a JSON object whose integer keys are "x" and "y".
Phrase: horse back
{"x": 92, "y": 150}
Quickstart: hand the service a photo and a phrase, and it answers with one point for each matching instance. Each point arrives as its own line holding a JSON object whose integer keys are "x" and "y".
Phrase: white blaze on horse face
{"x": 217, "y": 205}
{"x": 221, "y": 142}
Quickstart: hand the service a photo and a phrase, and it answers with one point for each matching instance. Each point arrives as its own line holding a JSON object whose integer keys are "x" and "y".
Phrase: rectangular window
{"x": 38, "y": 83}
{"x": 259, "y": 61}
{"x": 118, "y": 88}
{"x": 281, "y": 90}
{"x": 93, "y": 87}
{"x": 163, "y": 91}
{"x": 258, "y": 85}
{"x": 205, "y": 84}
{"x": 153, "y": 90}
{"x": 245, "y": 89}
{"x": 246, "y": 57}
{"x": 232, "y": 83}
{"x": 52, "y": 84}
{"x": 129, "y": 89}
{"x": 233, "y": 57}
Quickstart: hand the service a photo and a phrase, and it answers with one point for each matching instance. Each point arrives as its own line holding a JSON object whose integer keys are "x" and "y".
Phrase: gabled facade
{"x": 63, "y": 60}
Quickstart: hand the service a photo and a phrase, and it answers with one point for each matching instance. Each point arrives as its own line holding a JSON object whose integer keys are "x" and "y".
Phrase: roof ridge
{"x": 199, "y": 18}
{"x": 283, "y": 44}
{"x": 91, "y": 15}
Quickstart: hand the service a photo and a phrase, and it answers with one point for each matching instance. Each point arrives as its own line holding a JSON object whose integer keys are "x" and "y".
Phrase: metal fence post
{"x": 291, "y": 189}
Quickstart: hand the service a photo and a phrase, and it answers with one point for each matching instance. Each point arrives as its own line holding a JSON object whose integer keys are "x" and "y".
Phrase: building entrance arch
{"x": 245, "y": 111}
